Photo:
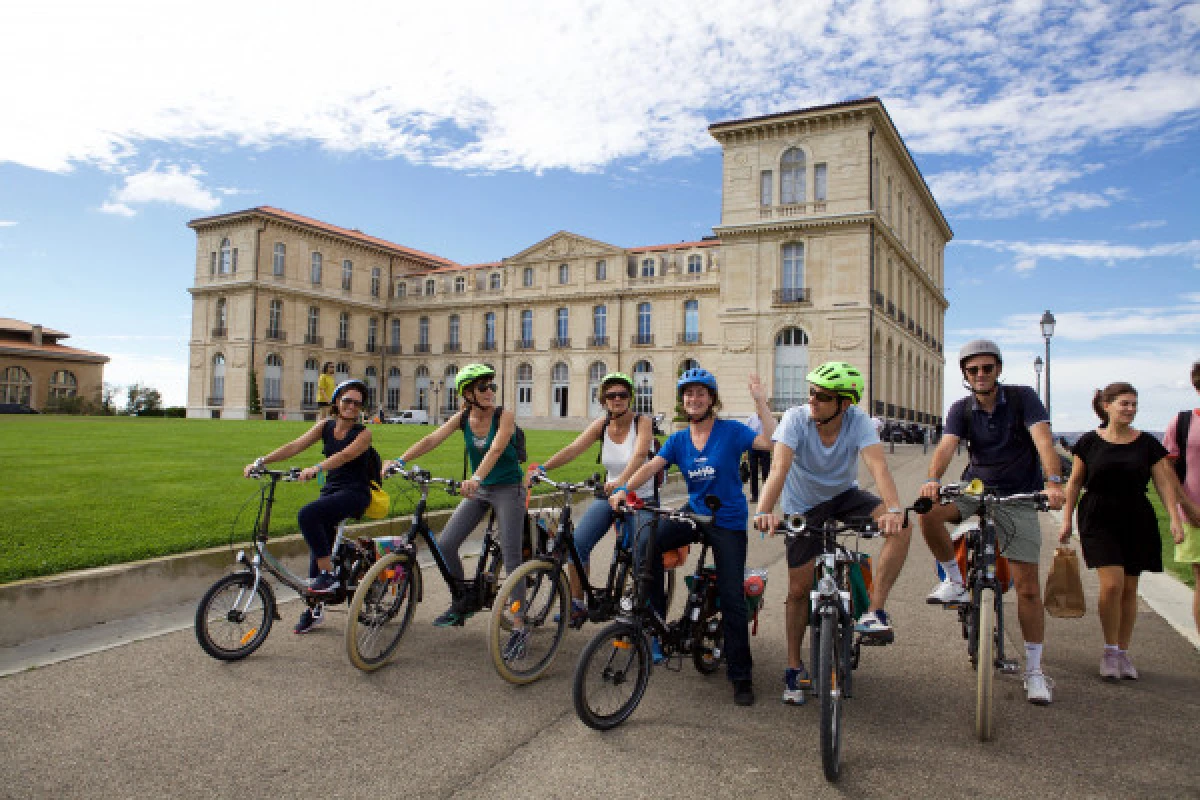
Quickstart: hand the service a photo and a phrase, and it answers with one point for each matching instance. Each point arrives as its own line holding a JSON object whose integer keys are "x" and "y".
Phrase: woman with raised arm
{"x": 625, "y": 438}
{"x": 1118, "y": 528}
{"x": 708, "y": 452}
{"x": 495, "y": 481}
{"x": 345, "y": 490}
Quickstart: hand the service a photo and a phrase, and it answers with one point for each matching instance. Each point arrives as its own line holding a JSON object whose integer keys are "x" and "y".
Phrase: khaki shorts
{"x": 1018, "y": 531}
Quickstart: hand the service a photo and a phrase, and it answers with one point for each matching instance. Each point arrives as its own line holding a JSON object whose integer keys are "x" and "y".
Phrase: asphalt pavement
{"x": 156, "y": 717}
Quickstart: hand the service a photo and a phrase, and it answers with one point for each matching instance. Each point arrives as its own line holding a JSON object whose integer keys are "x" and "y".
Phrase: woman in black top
{"x": 345, "y": 491}
{"x": 1117, "y": 525}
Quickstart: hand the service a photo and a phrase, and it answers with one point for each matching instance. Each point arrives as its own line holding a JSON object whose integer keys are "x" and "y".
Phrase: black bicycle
{"x": 836, "y": 647}
{"x": 982, "y": 617}
{"x": 383, "y": 605}
{"x": 236, "y": 613}
{"x": 535, "y": 594}
{"x": 614, "y": 667}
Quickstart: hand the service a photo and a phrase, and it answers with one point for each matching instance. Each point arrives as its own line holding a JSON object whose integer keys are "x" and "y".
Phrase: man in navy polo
{"x": 1008, "y": 435}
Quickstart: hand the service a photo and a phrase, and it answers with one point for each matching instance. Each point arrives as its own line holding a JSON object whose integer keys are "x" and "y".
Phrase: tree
{"x": 142, "y": 399}
{"x": 254, "y": 402}
{"x": 109, "y": 397}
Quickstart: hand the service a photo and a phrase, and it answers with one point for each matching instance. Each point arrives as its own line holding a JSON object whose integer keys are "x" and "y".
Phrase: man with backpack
{"x": 1182, "y": 439}
{"x": 1007, "y": 434}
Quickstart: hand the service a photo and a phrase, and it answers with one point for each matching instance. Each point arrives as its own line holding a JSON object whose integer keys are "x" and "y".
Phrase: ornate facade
{"x": 830, "y": 246}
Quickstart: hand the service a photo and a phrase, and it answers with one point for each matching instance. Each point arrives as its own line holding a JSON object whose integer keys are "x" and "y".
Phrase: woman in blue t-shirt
{"x": 707, "y": 453}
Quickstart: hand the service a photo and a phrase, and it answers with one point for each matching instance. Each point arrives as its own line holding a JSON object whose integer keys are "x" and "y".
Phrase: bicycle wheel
{"x": 985, "y": 666}
{"x": 381, "y": 610}
{"x": 708, "y": 649}
{"x": 830, "y": 690}
{"x": 537, "y": 593}
{"x": 611, "y": 676}
{"x": 234, "y": 617}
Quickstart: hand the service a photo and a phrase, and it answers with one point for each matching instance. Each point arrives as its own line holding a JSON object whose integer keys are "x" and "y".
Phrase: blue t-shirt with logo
{"x": 713, "y": 470}
{"x": 819, "y": 473}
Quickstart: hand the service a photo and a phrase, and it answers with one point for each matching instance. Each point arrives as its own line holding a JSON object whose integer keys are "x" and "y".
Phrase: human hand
{"x": 1177, "y": 532}
{"x": 617, "y": 499}
{"x": 757, "y": 390}
{"x": 930, "y": 489}
{"x": 890, "y": 523}
{"x": 610, "y": 485}
{"x": 766, "y": 523}
{"x": 1055, "y": 497}
{"x": 1064, "y": 532}
{"x": 468, "y": 487}
{"x": 308, "y": 473}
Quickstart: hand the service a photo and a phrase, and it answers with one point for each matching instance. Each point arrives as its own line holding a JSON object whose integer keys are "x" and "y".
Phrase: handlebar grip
{"x": 923, "y": 505}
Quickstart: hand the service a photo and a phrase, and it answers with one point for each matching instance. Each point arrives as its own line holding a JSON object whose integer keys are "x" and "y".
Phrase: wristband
{"x": 476, "y": 478}
{"x": 621, "y": 489}
{"x": 320, "y": 468}
{"x": 1054, "y": 479}
{"x": 400, "y": 462}
{"x": 933, "y": 480}
{"x": 758, "y": 514}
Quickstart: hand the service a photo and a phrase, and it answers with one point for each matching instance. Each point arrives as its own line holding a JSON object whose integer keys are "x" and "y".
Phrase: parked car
{"x": 17, "y": 408}
{"x": 413, "y": 416}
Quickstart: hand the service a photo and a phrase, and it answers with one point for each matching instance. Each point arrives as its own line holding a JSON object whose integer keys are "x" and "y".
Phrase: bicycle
{"x": 383, "y": 605}
{"x": 836, "y": 648}
{"x": 984, "y": 612}
{"x": 618, "y": 658}
{"x": 532, "y": 591}
{"x": 235, "y": 614}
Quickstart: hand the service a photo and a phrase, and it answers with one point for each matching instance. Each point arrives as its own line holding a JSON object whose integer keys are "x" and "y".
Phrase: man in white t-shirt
{"x": 817, "y": 448}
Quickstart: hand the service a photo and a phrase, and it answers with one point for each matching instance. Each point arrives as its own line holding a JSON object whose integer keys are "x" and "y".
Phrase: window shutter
{"x": 631, "y": 266}
{"x": 212, "y": 263}
{"x": 234, "y": 267}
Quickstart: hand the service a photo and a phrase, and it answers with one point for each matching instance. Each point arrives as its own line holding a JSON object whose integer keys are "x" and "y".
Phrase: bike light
{"x": 240, "y": 557}
{"x": 627, "y": 604}
{"x": 826, "y": 586}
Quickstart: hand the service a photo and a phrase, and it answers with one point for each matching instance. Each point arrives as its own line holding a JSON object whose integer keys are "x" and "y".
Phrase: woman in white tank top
{"x": 624, "y": 448}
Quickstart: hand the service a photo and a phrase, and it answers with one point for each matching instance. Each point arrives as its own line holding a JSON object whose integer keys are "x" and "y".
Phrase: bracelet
{"x": 621, "y": 489}
{"x": 476, "y": 478}
{"x": 760, "y": 514}
{"x": 933, "y": 480}
{"x": 320, "y": 468}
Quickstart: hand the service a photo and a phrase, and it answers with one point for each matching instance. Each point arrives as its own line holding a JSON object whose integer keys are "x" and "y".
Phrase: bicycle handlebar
{"x": 593, "y": 484}
{"x": 924, "y": 505}
{"x": 862, "y": 527}
{"x": 422, "y": 476}
{"x": 673, "y": 515}
{"x": 289, "y": 475}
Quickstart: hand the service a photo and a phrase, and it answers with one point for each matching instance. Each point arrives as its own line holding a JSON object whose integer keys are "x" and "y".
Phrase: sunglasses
{"x": 486, "y": 387}
{"x": 986, "y": 369}
{"x": 824, "y": 397}
{"x": 351, "y": 401}
{"x": 616, "y": 395}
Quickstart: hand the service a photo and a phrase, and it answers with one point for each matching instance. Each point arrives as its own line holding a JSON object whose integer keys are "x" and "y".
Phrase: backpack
{"x": 660, "y": 477}
{"x": 518, "y": 436}
{"x": 1182, "y": 423}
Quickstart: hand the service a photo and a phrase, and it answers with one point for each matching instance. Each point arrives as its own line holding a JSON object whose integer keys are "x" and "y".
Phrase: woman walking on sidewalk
{"x": 1117, "y": 525}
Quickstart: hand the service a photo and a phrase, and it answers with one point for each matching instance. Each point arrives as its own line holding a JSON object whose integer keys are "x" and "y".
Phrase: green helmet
{"x": 839, "y": 378}
{"x": 618, "y": 377}
{"x": 471, "y": 373}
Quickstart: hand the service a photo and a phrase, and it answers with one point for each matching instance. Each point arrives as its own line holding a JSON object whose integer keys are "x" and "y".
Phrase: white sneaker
{"x": 1037, "y": 688}
{"x": 949, "y": 593}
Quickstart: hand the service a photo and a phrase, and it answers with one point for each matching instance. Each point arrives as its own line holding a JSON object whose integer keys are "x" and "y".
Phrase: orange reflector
{"x": 249, "y": 635}
{"x": 515, "y": 607}
{"x": 390, "y": 574}
{"x": 621, "y": 644}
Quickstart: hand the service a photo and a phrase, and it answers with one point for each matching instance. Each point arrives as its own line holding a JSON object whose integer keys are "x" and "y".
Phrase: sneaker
{"x": 743, "y": 692}
{"x": 877, "y": 626}
{"x": 1128, "y": 671}
{"x": 514, "y": 648}
{"x": 310, "y": 618}
{"x": 451, "y": 617}
{"x": 949, "y": 593}
{"x": 1037, "y": 688}
{"x": 796, "y": 684}
{"x": 656, "y": 653}
{"x": 324, "y": 583}
{"x": 1110, "y": 665}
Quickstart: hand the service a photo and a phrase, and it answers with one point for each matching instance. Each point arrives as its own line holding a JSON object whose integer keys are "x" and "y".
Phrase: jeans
{"x": 508, "y": 501}
{"x": 595, "y": 522}
{"x": 319, "y": 520}
{"x": 729, "y": 552}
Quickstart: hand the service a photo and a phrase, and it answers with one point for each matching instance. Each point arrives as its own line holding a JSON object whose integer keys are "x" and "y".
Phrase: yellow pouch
{"x": 381, "y": 503}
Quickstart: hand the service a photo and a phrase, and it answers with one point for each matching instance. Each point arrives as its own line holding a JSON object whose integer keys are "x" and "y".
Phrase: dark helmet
{"x": 353, "y": 383}
{"x": 979, "y": 347}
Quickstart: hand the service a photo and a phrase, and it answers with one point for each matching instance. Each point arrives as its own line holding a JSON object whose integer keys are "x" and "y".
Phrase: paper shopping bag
{"x": 1064, "y": 589}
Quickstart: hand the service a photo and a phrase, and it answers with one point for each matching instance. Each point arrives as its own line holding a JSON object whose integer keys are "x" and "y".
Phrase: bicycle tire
{"x": 615, "y": 660}
{"x": 229, "y": 634}
{"x": 830, "y": 692}
{"x": 546, "y": 589}
{"x": 985, "y": 667}
{"x": 381, "y": 610}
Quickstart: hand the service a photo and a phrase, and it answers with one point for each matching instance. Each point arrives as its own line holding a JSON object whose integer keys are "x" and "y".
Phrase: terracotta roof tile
{"x": 21, "y": 326}
{"x": 51, "y": 350}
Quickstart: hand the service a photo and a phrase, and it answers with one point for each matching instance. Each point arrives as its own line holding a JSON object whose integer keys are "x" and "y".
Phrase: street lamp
{"x": 437, "y": 390}
{"x": 1037, "y": 369}
{"x": 1047, "y": 324}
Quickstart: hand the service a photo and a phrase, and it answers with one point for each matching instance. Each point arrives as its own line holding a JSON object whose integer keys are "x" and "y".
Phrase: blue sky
{"x": 1060, "y": 139}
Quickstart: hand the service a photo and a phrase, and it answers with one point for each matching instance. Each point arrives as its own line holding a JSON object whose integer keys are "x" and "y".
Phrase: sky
{"x": 1061, "y": 140}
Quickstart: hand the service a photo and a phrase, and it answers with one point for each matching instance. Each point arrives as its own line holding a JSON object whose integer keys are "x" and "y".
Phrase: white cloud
{"x": 1028, "y": 254}
{"x": 167, "y": 375}
{"x": 169, "y": 185}
{"x": 120, "y": 209}
{"x": 7, "y": 223}
{"x": 1179, "y": 320}
{"x": 1148, "y": 224}
{"x": 525, "y": 85}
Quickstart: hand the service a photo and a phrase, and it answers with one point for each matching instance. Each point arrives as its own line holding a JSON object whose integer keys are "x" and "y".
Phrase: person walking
{"x": 759, "y": 461}
{"x": 707, "y": 453}
{"x": 1118, "y": 528}
{"x": 1007, "y": 434}
{"x": 1183, "y": 448}
{"x": 325, "y": 386}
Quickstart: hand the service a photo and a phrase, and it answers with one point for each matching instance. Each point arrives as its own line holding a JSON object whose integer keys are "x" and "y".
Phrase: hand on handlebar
{"x": 890, "y": 523}
{"x": 308, "y": 473}
{"x": 1055, "y": 497}
{"x": 930, "y": 489}
{"x": 468, "y": 487}
{"x": 767, "y": 523}
{"x": 617, "y": 500}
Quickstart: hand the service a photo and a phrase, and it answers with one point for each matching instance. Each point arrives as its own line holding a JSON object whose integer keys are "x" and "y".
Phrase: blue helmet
{"x": 696, "y": 375}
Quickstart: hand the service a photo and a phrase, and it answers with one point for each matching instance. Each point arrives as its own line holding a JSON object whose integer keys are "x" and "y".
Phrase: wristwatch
{"x": 1054, "y": 479}
{"x": 895, "y": 511}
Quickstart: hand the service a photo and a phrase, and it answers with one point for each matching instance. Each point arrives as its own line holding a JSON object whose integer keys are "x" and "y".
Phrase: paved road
{"x": 159, "y": 718}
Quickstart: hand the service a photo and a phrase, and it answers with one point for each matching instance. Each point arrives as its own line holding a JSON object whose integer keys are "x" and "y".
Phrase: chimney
{"x": 37, "y": 334}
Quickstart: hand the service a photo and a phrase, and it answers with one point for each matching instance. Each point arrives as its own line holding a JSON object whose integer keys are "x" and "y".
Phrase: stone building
{"x": 36, "y": 370}
{"x": 830, "y": 245}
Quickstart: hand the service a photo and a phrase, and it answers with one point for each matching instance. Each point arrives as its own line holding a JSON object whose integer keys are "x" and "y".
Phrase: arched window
{"x": 275, "y": 319}
{"x": 643, "y": 380}
{"x": 691, "y": 322}
{"x": 393, "y": 389}
{"x": 347, "y": 274}
{"x": 309, "y": 387}
{"x": 218, "y": 381}
{"x": 372, "y": 382}
{"x": 421, "y": 382}
{"x": 63, "y": 385}
{"x": 273, "y": 382}
{"x": 688, "y": 363}
{"x": 791, "y": 280}
{"x": 596, "y": 372}
{"x": 448, "y": 376}
{"x": 560, "y": 378}
{"x": 791, "y": 177}
{"x": 524, "y": 390}
{"x": 791, "y": 367}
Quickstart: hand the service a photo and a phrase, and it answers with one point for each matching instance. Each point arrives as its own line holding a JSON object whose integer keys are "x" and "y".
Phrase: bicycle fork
{"x": 1008, "y": 666}
{"x": 827, "y": 600}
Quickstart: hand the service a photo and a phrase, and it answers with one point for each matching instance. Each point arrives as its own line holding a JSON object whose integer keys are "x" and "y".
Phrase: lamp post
{"x": 1037, "y": 370}
{"x": 437, "y": 390}
{"x": 1047, "y": 324}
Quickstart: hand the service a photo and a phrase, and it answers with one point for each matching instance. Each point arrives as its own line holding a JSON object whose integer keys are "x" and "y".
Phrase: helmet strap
{"x": 612, "y": 416}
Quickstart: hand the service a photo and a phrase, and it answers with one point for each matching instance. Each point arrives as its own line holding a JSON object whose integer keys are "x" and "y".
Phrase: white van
{"x": 413, "y": 416}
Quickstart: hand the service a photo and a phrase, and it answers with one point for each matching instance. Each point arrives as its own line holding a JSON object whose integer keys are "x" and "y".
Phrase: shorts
{"x": 1018, "y": 531}
{"x": 850, "y": 503}
{"x": 1189, "y": 551}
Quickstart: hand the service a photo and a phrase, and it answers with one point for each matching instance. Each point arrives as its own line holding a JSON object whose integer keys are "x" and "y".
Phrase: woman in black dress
{"x": 1117, "y": 525}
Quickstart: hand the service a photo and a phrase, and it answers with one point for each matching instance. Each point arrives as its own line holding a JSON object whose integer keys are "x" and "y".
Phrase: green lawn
{"x": 89, "y": 491}
{"x": 1181, "y": 571}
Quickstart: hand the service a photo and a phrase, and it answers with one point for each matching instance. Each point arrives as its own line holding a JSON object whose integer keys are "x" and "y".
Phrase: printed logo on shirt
{"x": 702, "y": 470}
